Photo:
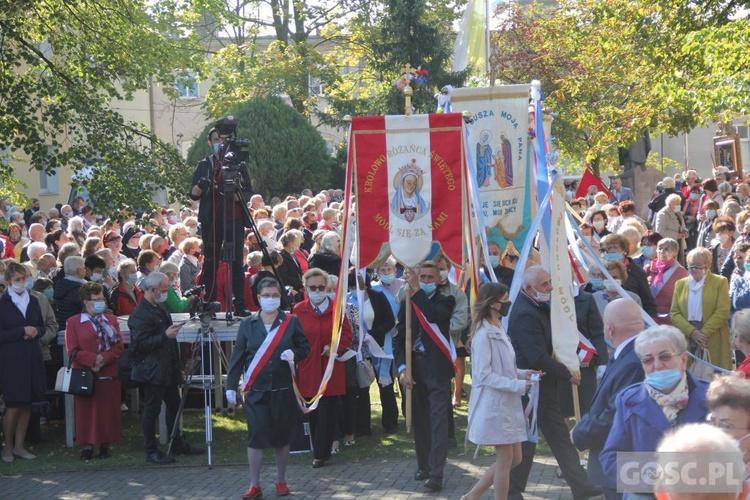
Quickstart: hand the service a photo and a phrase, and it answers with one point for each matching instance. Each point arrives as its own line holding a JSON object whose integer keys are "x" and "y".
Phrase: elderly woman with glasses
{"x": 700, "y": 308}
{"x": 667, "y": 398}
{"x": 317, "y": 318}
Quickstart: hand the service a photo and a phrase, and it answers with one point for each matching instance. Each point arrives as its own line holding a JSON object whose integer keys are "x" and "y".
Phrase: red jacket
{"x": 121, "y": 302}
{"x": 318, "y": 331}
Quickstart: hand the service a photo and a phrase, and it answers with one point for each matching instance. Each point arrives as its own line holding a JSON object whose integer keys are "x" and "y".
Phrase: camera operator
{"x": 206, "y": 187}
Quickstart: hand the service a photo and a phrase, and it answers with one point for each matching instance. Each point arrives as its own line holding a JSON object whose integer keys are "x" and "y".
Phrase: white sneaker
{"x": 124, "y": 407}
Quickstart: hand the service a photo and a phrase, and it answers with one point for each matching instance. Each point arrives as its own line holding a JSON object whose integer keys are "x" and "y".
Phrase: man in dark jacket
{"x": 157, "y": 363}
{"x": 432, "y": 371}
{"x": 622, "y": 324}
{"x": 530, "y": 331}
{"x": 221, "y": 217}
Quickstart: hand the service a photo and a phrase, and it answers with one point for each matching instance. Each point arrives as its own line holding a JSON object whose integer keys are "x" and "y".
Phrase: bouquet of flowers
{"x": 411, "y": 77}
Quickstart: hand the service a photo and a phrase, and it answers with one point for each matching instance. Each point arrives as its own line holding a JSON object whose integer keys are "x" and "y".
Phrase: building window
{"x": 186, "y": 84}
{"x": 48, "y": 182}
{"x": 316, "y": 86}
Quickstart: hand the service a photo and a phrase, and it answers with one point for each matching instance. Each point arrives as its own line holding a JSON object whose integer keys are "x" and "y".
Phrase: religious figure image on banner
{"x": 498, "y": 135}
{"x": 504, "y": 161}
{"x": 485, "y": 160}
{"x": 408, "y": 173}
{"x": 407, "y": 202}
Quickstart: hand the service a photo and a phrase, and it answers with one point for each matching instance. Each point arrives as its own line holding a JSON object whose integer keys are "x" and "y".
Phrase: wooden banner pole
{"x": 407, "y": 394}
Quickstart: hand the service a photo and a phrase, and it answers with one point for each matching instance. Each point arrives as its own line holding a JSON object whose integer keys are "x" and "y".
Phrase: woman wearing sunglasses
{"x": 315, "y": 314}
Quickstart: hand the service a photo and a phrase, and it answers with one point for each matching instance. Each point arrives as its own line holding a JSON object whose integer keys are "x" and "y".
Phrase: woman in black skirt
{"x": 270, "y": 406}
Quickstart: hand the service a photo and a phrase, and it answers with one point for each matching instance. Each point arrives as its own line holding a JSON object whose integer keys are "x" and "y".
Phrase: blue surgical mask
{"x": 694, "y": 196}
{"x": 29, "y": 283}
{"x": 647, "y": 252}
{"x": 387, "y": 279}
{"x": 98, "y": 307}
{"x": 665, "y": 379}
{"x": 613, "y": 256}
{"x": 597, "y": 284}
{"x": 49, "y": 293}
{"x": 132, "y": 279}
{"x": 216, "y": 147}
{"x": 494, "y": 260}
{"x": 428, "y": 288}
{"x": 747, "y": 266}
{"x": 162, "y": 298}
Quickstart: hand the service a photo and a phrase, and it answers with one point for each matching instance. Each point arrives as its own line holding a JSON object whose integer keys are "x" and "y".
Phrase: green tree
{"x": 242, "y": 65}
{"x": 287, "y": 154}
{"x": 380, "y": 40}
{"x": 665, "y": 65}
{"x": 63, "y": 64}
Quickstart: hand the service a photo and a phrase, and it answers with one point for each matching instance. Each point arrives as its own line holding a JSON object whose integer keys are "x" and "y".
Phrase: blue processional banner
{"x": 499, "y": 159}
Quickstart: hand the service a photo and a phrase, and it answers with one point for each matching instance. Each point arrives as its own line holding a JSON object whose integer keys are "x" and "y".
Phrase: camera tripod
{"x": 205, "y": 340}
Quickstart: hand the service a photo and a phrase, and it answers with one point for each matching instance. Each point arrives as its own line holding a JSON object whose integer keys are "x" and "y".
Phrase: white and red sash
{"x": 446, "y": 346}
{"x": 264, "y": 353}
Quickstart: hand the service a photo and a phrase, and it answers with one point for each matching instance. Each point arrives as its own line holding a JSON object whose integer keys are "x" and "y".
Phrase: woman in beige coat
{"x": 671, "y": 224}
{"x": 495, "y": 412}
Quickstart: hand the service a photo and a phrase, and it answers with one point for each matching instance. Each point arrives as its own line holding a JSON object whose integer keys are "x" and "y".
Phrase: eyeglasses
{"x": 270, "y": 296}
{"x": 664, "y": 357}
{"x": 318, "y": 288}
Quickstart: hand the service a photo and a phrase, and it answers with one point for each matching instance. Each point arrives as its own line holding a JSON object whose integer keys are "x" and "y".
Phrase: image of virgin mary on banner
{"x": 498, "y": 139}
{"x": 408, "y": 174}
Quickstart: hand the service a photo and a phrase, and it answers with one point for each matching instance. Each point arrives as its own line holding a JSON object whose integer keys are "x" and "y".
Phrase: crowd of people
{"x": 683, "y": 263}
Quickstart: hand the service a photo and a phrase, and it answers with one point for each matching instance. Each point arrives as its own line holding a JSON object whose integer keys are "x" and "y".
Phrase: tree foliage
{"x": 379, "y": 41}
{"x": 287, "y": 154}
{"x": 619, "y": 66}
{"x": 63, "y": 64}
{"x": 242, "y": 65}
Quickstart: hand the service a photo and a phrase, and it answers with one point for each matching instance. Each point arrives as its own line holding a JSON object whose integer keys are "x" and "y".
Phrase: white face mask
{"x": 162, "y": 298}
{"x": 316, "y": 297}
{"x": 269, "y": 304}
{"x": 96, "y": 277}
{"x": 193, "y": 230}
{"x": 598, "y": 225}
{"x": 542, "y": 296}
{"x": 723, "y": 238}
{"x": 19, "y": 288}
{"x": 611, "y": 285}
{"x": 443, "y": 275}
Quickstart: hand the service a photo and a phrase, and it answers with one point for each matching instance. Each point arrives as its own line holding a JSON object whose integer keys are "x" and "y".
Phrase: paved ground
{"x": 389, "y": 479}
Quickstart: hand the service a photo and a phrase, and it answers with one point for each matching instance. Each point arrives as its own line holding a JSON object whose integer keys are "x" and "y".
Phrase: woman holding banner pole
{"x": 267, "y": 342}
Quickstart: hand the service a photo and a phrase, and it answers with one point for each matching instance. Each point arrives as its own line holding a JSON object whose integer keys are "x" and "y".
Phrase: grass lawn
{"x": 229, "y": 435}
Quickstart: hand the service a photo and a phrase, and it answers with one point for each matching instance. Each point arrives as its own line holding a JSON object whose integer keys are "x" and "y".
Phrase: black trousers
{"x": 213, "y": 237}
{"x": 153, "y": 395}
{"x": 552, "y": 426}
{"x": 323, "y": 426}
{"x": 431, "y": 401}
{"x": 389, "y": 418}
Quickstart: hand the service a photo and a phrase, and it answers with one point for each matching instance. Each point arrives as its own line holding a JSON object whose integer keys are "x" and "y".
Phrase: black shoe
{"x": 242, "y": 312}
{"x": 87, "y": 454}
{"x": 434, "y": 484}
{"x": 421, "y": 475}
{"x": 158, "y": 457}
{"x": 103, "y": 452}
{"x": 317, "y": 464}
{"x": 184, "y": 448}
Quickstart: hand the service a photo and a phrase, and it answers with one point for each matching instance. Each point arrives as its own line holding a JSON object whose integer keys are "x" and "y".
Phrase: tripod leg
{"x": 186, "y": 385}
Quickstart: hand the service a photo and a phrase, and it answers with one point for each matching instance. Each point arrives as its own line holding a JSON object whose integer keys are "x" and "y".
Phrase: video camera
{"x": 204, "y": 310}
{"x": 234, "y": 152}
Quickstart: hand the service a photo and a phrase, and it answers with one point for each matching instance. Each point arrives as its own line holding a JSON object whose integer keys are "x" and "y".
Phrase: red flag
{"x": 589, "y": 179}
{"x": 408, "y": 175}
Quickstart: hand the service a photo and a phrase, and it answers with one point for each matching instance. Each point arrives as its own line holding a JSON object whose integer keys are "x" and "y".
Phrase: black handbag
{"x": 76, "y": 381}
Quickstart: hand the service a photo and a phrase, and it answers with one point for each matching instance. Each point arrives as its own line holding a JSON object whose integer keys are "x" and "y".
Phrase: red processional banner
{"x": 408, "y": 174}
